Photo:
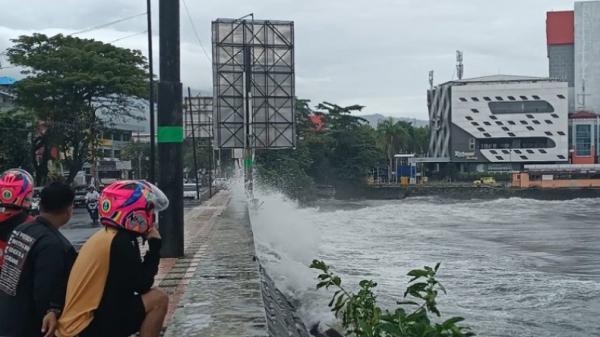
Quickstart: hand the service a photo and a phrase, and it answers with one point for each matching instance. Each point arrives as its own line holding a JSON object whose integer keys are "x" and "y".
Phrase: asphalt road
{"x": 80, "y": 228}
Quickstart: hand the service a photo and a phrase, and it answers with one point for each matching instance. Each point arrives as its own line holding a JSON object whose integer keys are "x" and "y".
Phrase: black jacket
{"x": 42, "y": 277}
{"x": 6, "y": 229}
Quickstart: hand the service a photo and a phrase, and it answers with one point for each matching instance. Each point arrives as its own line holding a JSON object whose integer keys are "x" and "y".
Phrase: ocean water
{"x": 512, "y": 267}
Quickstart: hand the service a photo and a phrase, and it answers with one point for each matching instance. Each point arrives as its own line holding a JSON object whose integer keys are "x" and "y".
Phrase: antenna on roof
{"x": 431, "y": 79}
{"x": 459, "y": 65}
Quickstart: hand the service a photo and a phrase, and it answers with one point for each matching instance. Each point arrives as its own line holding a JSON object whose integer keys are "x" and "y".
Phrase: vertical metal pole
{"x": 189, "y": 107}
{"x": 170, "y": 130}
{"x": 210, "y": 166}
{"x": 248, "y": 114}
{"x": 152, "y": 176}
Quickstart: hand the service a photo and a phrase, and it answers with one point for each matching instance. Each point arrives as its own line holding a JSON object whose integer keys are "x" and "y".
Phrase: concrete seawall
{"x": 230, "y": 294}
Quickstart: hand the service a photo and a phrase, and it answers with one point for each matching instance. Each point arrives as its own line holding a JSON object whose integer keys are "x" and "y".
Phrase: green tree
{"x": 354, "y": 152}
{"x": 15, "y": 144}
{"x": 68, "y": 81}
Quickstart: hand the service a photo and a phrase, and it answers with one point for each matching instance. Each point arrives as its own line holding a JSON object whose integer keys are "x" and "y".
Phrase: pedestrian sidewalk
{"x": 218, "y": 283}
{"x": 174, "y": 274}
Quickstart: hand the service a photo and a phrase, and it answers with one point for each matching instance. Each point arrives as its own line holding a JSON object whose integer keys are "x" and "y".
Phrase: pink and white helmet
{"x": 16, "y": 189}
{"x": 131, "y": 204}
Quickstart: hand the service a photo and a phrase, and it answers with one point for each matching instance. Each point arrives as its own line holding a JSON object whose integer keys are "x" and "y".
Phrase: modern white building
{"x": 499, "y": 122}
{"x": 587, "y": 56}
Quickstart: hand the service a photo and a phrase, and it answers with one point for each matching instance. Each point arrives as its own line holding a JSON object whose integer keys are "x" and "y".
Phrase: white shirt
{"x": 92, "y": 196}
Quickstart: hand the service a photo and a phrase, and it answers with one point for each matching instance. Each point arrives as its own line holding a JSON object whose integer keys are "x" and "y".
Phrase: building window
{"x": 107, "y": 136}
{"x": 561, "y": 133}
{"x": 530, "y": 151}
{"x": 512, "y": 134}
{"x": 524, "y": 122}
{"x": 511, "y": 123}
{"x": 548, "y": 121}
{"x": 505, "y": 151}
{"x": 548, "y": 133}
{"x": 561, "y": 96}
{"x": 487, "y": 135}
{"x": 487, "y": 99}
{"x": 583, "y": 140}
{"x": 542, "y": 151}
{"x": 475, "y": 99}
{"x": 472, "y": 144}
{"x": 126, "y": 137}
{"x": 518, "y": 151}
{"x": 530, "y": 116}
{"x": 481, "y": 129}
{"x": 475, "y": 123}
{"x": 475, "y": 111}
{"x": 517, "y": 143}
{"x": 512, "y": 98}
{"x": 499, "y": 123}
{"x": 493, "y": 117}
{"x": 554, "y": 116}
{"x": 498, "y": 98}
{"x": 487, "y": 123}
{"x": 117, "y": 153}
{"x": 499, "y": 158}
{"x": 523, "y": 98}
{"x": 493, "y": 152}
{"x": 462, "y": 99}
{"x": 536, "y": 122}
{"x": 561, "y": 157}
{"x": 520, "y": 107}
{"x": 469, "y": 118}
{"x": 530, "y": 128}
{"x": 505, "y": 128}
{"x": 524, "y": 157}
{"x": 535, "y": 96}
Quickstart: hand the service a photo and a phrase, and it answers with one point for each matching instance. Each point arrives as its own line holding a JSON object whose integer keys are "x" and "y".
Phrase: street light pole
{"x": 170, "y": 130}
{"x": 152, "y": 176}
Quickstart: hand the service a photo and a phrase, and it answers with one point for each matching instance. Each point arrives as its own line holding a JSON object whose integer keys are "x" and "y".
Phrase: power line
{"x": 107, "y": 24}
{"x": 189, "y": 16}
{"x": 128, "y": 36}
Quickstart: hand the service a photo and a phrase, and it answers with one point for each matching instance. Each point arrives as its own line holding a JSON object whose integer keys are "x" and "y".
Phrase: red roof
{"x": 582, "y": 115}
{"x": 560, "y": 27}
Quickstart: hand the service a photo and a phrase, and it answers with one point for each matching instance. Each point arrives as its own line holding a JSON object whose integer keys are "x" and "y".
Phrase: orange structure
{"x": 558, "y": 176}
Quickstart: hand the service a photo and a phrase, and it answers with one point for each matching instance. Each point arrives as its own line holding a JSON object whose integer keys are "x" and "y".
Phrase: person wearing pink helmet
{"x": 16, "y": 192}
{"x": 109, "y": 292}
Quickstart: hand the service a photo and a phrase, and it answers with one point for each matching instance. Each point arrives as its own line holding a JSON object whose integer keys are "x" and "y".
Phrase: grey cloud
{"x": 376, "y": 53}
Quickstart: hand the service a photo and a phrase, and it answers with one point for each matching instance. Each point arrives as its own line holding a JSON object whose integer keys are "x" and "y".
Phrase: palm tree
{"x": 392, "y": 138}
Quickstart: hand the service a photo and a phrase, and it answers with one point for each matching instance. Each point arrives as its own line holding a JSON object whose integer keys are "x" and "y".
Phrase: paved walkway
{"x": 223, "y": 296}
{"x": 175, "y": 274}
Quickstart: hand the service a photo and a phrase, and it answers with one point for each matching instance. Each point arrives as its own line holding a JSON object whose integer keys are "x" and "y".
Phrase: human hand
{"x": 49, "y": 324}
{"x": 153, "y": 234}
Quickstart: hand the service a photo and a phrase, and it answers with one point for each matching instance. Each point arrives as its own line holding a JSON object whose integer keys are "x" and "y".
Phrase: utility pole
{"x": 189, "y": 107}
{"x": 151, "y": 94}
{"x": 170, "y": 130}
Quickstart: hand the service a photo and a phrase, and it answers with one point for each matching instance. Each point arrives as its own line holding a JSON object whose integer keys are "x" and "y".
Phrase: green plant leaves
{"x": 362, "y": 317}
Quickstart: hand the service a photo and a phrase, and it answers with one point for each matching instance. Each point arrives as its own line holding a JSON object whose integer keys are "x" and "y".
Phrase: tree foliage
{"x": 15, "y": 143}
{"x": 361, "y": 316}
{"x": 342, "y": 154}
{"x": 68, "y": 81}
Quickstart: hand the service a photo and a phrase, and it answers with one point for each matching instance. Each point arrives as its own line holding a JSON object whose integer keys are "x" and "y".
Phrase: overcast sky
{"x": 376, "y": 53}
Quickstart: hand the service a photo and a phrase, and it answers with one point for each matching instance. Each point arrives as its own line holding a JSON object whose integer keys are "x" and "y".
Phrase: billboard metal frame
{"x": 202, "y": 117}
{"x": 254, "y": 84}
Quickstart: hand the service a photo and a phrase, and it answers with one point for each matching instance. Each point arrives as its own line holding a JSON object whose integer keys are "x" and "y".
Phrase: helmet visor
{"x": 158, "y": 198}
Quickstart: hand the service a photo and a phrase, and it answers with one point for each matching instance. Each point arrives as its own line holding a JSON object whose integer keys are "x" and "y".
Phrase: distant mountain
{"x": 375, "y": 119}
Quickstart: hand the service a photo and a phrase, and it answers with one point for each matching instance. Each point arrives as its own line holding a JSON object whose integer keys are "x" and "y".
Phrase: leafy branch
{"x": 362, "y": 317}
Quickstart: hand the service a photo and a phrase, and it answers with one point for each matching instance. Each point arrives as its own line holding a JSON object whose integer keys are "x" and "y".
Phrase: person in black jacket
{"x": 16, "y": 193}
{"x": 37, "y": 262}
{"x": 110, "y": 287}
